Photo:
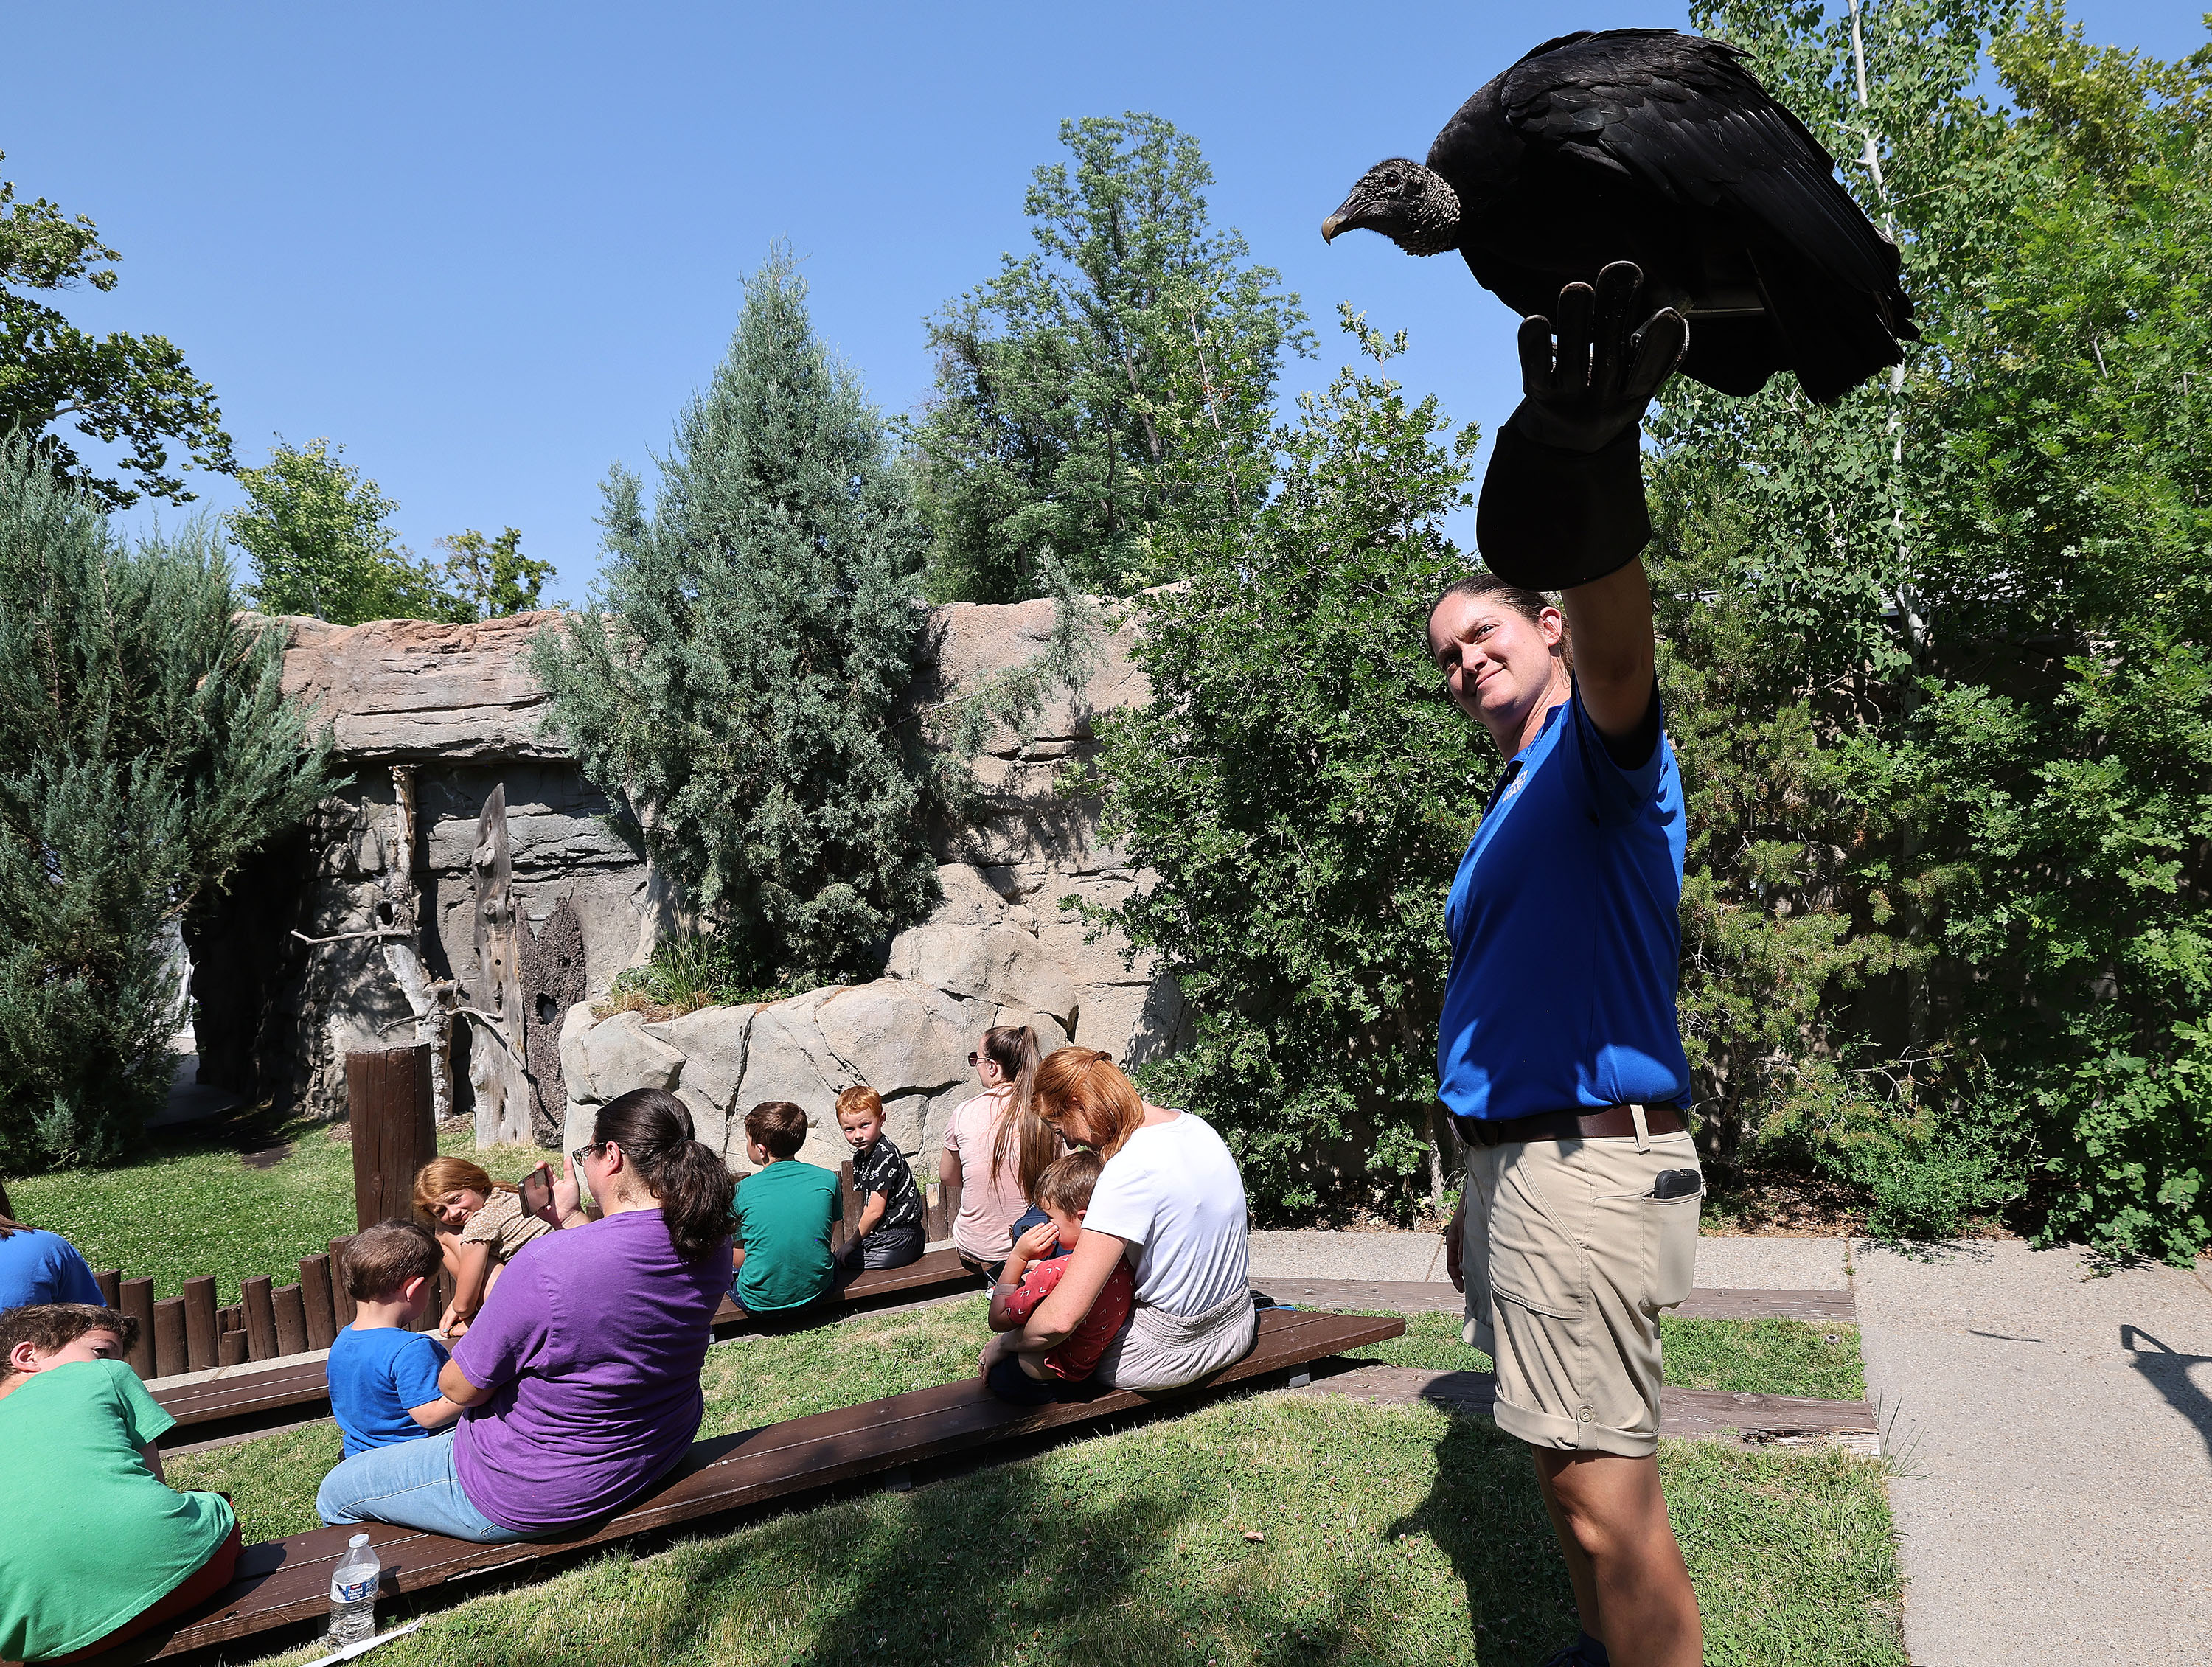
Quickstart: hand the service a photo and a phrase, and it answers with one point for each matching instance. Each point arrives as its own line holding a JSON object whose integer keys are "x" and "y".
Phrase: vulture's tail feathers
{"x": 1734, "y": 355}
{"x": 1835, "y": 333}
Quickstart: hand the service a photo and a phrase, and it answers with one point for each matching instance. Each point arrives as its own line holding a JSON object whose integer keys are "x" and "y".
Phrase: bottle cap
{"x": 358, "y": 1539}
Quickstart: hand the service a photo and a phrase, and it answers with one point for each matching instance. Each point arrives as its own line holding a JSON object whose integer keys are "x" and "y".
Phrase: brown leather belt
{"x": 1612, "y": 1123}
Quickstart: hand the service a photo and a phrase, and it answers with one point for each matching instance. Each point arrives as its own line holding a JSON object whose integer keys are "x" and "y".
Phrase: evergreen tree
{"x": 738, "y": 679}
{"x": 1106, "y": 396}
{"x": 145, "y": 747}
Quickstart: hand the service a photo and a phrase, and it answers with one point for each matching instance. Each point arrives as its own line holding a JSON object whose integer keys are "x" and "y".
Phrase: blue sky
{"x": 492, "y": 248}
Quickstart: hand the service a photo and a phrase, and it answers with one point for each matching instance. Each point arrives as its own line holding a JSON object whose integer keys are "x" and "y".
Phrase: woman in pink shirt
{"x": 996, "y": 1147}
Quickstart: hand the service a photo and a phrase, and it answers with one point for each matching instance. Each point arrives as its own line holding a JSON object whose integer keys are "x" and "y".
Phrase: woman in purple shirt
{"x": 581, "y": 1373}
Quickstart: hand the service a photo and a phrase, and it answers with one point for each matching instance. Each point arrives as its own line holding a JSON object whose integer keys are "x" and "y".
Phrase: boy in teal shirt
{"x": 100, "y": 1548}
{"x": 784, "y": 1212}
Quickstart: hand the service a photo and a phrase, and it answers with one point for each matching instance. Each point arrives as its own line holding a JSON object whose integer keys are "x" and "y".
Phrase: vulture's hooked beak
{"x": 1346, "y": 218}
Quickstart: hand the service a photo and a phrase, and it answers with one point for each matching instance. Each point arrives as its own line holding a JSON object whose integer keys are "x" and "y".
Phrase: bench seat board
{"x": 281, "y": 1582}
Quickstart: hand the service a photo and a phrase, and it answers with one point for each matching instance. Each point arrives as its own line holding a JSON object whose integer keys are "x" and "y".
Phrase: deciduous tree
{"x": 134, "y": 392}
{"x": 1079, "y": 389}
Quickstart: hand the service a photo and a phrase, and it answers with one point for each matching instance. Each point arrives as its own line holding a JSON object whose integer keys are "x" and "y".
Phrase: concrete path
{"x": 2053, "y": 1433}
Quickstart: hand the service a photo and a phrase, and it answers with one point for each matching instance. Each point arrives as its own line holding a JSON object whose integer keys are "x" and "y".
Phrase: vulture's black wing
{"x": 1681, "y": 116}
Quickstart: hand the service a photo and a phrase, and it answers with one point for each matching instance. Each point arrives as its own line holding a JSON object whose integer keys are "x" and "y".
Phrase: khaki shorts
{"x": 1569, "y": 1261}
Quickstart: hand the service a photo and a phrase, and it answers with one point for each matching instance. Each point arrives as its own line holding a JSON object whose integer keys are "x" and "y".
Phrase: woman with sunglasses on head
{"x": 581, "y": 1376}
{"x": 996, "y": 1148}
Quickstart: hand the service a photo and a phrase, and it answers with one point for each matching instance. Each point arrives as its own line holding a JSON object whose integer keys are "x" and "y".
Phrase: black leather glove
{"x": 1563, "y": 498}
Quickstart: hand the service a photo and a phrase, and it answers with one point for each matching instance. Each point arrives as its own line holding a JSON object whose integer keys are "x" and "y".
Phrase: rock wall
{"x": 430, "y": 718}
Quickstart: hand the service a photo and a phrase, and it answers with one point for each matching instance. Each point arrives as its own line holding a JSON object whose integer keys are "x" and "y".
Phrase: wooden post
{"x": 553, "y": 981}
{"x": 441, "y": 1295}
{"x": 291, "y": 1316}
{"x": 170, "y": 1354}
{"x": 230, "y": 1350}
{"x": 388, "y": 1098}
{"x": 315, "y": 1293}
{"x": 110, "y": 1287}
{"x": 200, "y": 1328}
{"x": 495, "y": 1069}
{"x": 842, "y": 1239}
{"x": 260, "y": 1318}
{"x": 138, "y": 1303}
{"x": 341, "y": 1299}
{"x": 230, "y": 1319}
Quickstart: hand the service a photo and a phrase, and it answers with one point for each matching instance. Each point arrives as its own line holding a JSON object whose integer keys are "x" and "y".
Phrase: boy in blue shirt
{"x": 383, "y": 1373}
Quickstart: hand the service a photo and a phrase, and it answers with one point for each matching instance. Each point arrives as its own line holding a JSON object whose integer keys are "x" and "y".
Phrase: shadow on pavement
{"x": 2167, "y": 1371}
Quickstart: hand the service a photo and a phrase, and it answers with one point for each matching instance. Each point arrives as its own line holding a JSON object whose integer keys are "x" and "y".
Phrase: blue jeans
{"x": 411, "y": 1485}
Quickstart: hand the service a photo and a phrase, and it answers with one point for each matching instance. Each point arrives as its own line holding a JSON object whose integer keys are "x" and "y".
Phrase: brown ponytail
{"x": 654, "y": 1128}
{"x": 1024, "y": 1142}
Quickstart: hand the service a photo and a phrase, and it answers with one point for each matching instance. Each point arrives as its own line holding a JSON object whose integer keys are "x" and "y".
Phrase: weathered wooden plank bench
{"x": 1437, "y": 1296}
{"x": 235, "y": 1403}
{"x": 1684, "y": 1415}
{"x": 282, "y": 1582}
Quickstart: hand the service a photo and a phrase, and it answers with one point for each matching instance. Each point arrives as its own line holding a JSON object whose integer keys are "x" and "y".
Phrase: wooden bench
{"x": 282, "y": 1582}
{"x": 218, "y": 1409}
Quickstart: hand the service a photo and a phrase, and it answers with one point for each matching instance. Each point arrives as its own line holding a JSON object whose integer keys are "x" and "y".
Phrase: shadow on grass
{"x": 1131, "y": 1550}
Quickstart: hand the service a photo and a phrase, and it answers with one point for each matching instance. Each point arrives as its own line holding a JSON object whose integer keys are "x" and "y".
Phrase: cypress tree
{"x": 737, "y": 679}
{"x": 145, "y": 747}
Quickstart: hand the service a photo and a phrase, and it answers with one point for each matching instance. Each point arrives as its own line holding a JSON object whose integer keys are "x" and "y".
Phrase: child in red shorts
{"x": 1031, "y": 1378}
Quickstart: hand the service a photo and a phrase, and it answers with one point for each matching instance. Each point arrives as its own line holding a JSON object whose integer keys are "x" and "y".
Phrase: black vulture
{"x": 1663, "y": 149}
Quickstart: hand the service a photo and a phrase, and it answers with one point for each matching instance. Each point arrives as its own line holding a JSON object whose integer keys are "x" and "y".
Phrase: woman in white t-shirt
{"x": 1171, "y": 1201}
{"x": 996, "y": 1148}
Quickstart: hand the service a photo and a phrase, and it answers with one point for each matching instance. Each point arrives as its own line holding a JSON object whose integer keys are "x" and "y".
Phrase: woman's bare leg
{"x": 1633, "y": 1587}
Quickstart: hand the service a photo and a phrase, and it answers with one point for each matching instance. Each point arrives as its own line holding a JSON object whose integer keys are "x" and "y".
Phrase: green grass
{"x": 1757, "y": 1357}
{"x": 187, "y": 1204}
{"x": 1391, "y": 1535}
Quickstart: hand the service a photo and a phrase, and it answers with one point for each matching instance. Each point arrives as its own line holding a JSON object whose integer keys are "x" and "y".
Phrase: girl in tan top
{"x": 996, "y": 1147}
{"x": 480, "y": 1225}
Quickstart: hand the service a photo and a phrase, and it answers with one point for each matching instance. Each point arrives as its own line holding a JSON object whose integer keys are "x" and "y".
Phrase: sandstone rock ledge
{"x": 978, "y": 962}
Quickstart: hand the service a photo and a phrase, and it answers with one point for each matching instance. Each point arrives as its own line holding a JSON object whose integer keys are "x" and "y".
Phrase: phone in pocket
{"x": 1678, "y": 1184}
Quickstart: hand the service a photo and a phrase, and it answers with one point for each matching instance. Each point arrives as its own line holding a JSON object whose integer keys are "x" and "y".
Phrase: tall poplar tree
{"x": 737, "y": 679}
{"x": 1109, "y": 395}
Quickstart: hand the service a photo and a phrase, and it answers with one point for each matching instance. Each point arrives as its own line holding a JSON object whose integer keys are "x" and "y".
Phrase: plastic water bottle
{"x": 353, "y": 1594}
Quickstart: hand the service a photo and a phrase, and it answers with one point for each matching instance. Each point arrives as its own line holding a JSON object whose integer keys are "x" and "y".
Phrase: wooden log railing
{"x": 271, "y": 1322}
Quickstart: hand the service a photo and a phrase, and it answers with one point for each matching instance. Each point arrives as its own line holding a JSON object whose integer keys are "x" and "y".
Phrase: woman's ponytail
{"x": 654, "y": 1130}
{"x": 1024, "y": 1142}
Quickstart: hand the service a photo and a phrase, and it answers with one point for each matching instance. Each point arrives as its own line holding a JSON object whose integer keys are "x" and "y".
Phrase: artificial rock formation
{"x": 453, "y": 706}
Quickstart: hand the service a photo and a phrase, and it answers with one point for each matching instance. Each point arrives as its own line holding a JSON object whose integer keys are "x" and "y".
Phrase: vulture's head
{"x": 1408, "y": 203}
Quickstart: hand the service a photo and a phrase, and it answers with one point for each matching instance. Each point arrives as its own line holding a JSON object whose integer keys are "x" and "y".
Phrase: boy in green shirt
{"x": 784, "y": 1210}
{"x": 116, "y": 1550}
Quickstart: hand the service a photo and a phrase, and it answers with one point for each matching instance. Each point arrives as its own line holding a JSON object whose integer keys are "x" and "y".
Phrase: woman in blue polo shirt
{"x": 1558, "y": 1056}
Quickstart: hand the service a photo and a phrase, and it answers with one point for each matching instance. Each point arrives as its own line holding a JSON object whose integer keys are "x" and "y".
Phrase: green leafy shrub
{"x": 1302, "y": 790}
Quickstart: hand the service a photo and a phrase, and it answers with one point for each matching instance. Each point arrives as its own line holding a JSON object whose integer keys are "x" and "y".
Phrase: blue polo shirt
{"x": 1566, "y": 938}
{"x": 37, "y": 1265}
